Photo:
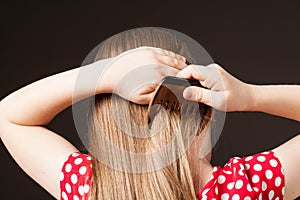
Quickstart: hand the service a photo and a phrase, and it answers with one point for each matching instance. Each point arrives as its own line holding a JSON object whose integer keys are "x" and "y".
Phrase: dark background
{"x": 256, "y": 42}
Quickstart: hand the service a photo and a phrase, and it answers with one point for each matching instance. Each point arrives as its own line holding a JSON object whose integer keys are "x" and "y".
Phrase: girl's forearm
{"x": 39, "y": 102}
{"x": 281, "y": 100}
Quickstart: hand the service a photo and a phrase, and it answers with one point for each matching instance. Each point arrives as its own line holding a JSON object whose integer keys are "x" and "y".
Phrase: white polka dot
{"x": 91, "y": 166}
{"x": 247, "y": 198}
{"x": 64, "y": 196}
{"x": 264, "y": 186}
{"x": 271, "y": 194}
{"x": 216, "y": 190}
{"x": 225, "y": 196}
{"x": 273, "y": 163}
{"x": 75, "y": 154}
{"x": 227, "y": 172}
{"x": 269, "y": 174}
{"x": 235, "y": 161}
{"x": 74, "y": 178}
{"x": 277, "y": 198}
{"x": 81, "y": 190}
{"x": 260, "y": 196}
{"x": 75, "y": 197}
{"x": 241, "y": 172}
{"x": 283, "y": 190}
{"x": 86, "y": 188}
{"x": 265, "y": 153}
{"x": 221, "y": 179}
{"x": 236, "y": 197}
{"x": 239, "y": 184}
{"x": 61, "y": 177}
{"x": 277, "y": 181}
{"x": 247, "y": 166}
{"x": 68, "y": 167}
{"x": 261, "y": 158}
{"x": 82, "y": 170}
{"x": 249, "y": 188}
{"x": 248, "y": 158}
{"x": 230, "y": 186}
{"x": 255, "y": 178}
{"x": 205, "y": 191}
{"x": 215, "y": 169}
{"x": 68, "y": 187}
{"x": 78, "y": 161}
{"x": 257, "y": 167}
{"x": 282, "y": 170}
{"x": 255, "y": 189}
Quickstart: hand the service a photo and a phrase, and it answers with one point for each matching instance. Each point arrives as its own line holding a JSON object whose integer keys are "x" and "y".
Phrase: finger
{"x": 208, "y": 97}
{"x": 173, "y": 62}
{"x": 171, "y": 54}
{"x": 169, "y": 71}
{"x": 193, "y": 71}
{"x": 145, "y": 98}
{"x": 175, "y": 55}
{"x": 198, "y": 94}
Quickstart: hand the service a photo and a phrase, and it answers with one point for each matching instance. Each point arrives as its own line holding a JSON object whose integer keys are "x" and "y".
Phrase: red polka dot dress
{"x": 251, "y": 178}
{"x": 254, "y": 177}
{"x": 75, "y": 178}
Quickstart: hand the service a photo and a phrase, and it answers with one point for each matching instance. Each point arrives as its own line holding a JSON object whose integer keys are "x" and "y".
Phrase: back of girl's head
{"x": 129, "y": 160}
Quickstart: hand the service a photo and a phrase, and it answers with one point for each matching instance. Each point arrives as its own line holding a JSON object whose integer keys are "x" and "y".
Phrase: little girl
{"x": 66, "y": 173}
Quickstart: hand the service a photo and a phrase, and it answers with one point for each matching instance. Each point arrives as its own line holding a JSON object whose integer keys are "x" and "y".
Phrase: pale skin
{"x": 230, "y": 94}
{"x": 25, "y": 112}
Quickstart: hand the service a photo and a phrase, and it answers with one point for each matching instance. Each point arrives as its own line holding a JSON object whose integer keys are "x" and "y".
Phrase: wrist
{"x": 252, "y": 93}
{"x": 104, "y": 78}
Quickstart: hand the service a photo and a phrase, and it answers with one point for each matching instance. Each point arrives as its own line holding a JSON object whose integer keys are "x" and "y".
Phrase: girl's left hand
{"x": 135, "y": 74}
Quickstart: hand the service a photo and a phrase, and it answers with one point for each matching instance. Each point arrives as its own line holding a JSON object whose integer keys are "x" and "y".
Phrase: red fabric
{"x": 75, "y": 178}
{"x": 254, "y": 177}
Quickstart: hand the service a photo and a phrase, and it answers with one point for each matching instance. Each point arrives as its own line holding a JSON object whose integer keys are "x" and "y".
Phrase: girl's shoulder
{"x": 259, "y": 176}
{"x": 75, "y": 177}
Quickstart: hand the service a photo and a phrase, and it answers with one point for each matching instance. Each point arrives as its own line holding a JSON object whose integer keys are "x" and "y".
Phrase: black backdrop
{"x": 256, "y": 42}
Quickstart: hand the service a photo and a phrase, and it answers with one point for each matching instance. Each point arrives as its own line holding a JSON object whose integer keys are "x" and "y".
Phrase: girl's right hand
{"x": 224, "y": 92}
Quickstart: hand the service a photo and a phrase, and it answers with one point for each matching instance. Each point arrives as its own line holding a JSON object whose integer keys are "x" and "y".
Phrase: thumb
{"x": 194, "y": 93}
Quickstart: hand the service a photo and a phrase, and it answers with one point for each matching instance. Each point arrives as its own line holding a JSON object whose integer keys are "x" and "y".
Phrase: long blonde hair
{"x": 173, "y": 181}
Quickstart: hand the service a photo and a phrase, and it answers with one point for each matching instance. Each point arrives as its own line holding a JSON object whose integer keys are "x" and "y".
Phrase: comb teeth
{"x": 166, "y": 104}
{"x": 169, "y": 96}
{"x": 173, "y": 106}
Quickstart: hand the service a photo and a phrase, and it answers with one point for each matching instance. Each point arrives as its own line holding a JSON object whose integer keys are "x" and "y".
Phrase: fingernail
{"x": 188, "y": 93}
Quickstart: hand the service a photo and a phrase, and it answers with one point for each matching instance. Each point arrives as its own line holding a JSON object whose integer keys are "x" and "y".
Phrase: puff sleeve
{"x": 258, "y": 176}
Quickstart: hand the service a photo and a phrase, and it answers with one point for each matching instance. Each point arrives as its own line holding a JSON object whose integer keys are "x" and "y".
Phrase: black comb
{"x": 169, "y": 95}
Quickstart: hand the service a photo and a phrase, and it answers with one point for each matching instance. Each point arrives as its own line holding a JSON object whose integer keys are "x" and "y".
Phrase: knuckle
{"x": 172, "y": 54}
{"x": 215, "y": 66}
{"x": 165, "y": 52}
{"x": 175, "y": 61}
{"x": 211, "y": 66}
{"x": 199, "y": 96}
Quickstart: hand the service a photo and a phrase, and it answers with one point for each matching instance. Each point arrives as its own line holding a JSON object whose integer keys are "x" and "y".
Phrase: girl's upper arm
{"x": 40, "y": 152}
{"x": 289, "y": 156}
